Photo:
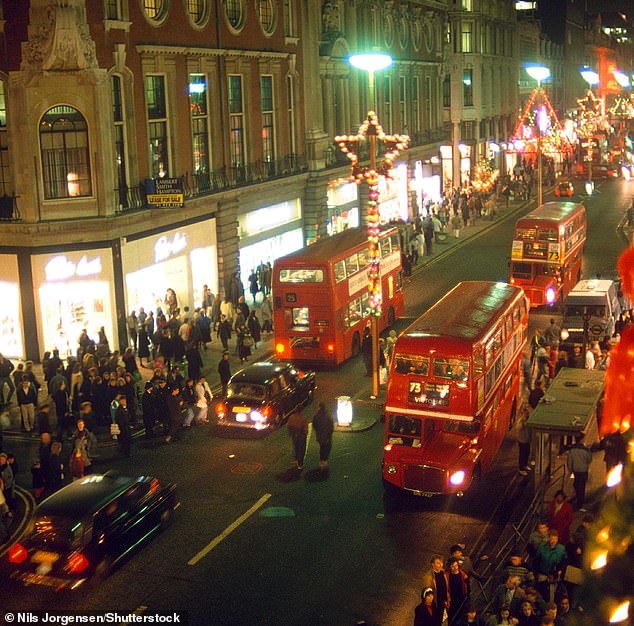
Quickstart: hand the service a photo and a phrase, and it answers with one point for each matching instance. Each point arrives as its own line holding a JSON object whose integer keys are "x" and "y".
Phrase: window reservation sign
{"x": 164, "y": 193}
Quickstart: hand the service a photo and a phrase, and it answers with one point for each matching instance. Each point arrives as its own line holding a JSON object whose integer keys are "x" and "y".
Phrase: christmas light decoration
{"x": 370, "y": 130}
{"x": 484, "y": 175}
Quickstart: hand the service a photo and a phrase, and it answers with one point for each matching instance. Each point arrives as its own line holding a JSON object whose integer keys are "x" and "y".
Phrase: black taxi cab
{"x": 263, "y": 395}
{"x": 82, "y": 531}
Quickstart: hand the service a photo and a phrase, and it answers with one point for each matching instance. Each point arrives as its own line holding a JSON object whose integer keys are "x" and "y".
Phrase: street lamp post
{"x": 540, "y": 74}
{"x": 371, "y": 130}
{"x": 592, "y": 78}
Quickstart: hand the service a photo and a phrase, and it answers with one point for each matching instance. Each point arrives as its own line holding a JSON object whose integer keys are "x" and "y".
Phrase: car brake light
{"x": 331, "y": 347}
{"x": 221, "y": 408}
{"x": 279, "y": 348}
{"x": 266, "y": 411}
{"x": 77, "y": 563}
{"x": 17, "y": 553}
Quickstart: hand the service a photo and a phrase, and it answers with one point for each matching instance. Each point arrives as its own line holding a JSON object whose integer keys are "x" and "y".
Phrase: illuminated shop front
{"x": 269, "y": 233}
{"x": 73, "y": 291}
{"x": 425, "y": 184}
{"x": 446, "y": 169}
{"x": 343, "y": 206}
{"x": 465, "y": 164}
{"x": 11, "y": 335}
{"x": 182, "y": 259}
{"x": 393, "y": 195}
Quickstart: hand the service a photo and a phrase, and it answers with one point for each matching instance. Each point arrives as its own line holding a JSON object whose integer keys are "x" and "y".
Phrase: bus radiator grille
{"x": 424, "y": 478}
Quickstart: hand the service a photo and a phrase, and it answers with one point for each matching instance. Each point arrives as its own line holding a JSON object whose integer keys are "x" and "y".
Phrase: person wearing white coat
{"x": 203, "y": 400}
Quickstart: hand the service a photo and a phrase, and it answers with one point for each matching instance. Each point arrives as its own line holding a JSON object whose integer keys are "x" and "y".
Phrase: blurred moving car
{"x": 564, "y": 188}
{"x": 264, "y": 394}
{"x": 86, "y": 528}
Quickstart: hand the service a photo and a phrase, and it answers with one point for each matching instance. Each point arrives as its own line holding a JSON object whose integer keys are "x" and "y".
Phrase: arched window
{"x": 65, "y": 153}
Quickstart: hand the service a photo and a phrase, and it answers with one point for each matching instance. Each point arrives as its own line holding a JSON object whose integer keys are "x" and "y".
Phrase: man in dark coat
{"x": 194, "y": 361}
{"x": 366, "y": 351}
{"x": 122, "y": 417}
{"x": 175, "y": 413}
{"x": 148, "y": 404}
{"x": 298, "y": 431}
{"x": 224, "y": 369}
{"x": 324, "y": 427}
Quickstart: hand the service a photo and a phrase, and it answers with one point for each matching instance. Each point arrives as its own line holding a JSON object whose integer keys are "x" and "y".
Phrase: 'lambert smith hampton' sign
{"x": 164, "y": 193}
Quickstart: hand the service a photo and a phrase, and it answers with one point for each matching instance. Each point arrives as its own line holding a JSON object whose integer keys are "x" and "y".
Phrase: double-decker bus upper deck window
{"x": 339, "y": 269}
{"x": 522, "y": 270}
{"x": 363, "y": 257}
{"x": 396, "y": 242}
{"x": 478, "y": 362}
{"x": 548, "y": 234}
{"x": 302, "y": 275}
{"x": 453, "y": 369}
{"x": 301, "y": 317}
{"x": 406, "y": 364}
{"x": 526, "y": 233}
{"x": 386, "y": 247}
{"x": 352, "y": 264}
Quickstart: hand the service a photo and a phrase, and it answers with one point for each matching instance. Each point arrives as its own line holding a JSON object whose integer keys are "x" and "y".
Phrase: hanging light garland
{"x": 349, "y": 145}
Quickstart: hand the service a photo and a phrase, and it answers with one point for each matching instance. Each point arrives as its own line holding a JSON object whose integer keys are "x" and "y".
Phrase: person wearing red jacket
{"x": 560, "y": 516}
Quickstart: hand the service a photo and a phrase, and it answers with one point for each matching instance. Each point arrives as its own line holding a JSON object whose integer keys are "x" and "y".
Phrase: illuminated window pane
{"x": 65, "y": 153}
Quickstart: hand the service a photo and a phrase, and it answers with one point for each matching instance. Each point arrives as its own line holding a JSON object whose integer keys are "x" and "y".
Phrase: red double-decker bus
{"x": 547, "y": 251}
{"x": 454, "y": 388}
{"x": 320, "y": 296}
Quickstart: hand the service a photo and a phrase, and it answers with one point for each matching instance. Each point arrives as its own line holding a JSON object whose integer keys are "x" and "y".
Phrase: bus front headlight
{"x": 457, "y": 478}
{"x": 550, "y": 295}
{"x": 391, "y": 469}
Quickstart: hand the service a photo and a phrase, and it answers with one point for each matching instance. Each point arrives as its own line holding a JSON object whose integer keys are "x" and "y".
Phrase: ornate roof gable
{"x": 59, "y": 38}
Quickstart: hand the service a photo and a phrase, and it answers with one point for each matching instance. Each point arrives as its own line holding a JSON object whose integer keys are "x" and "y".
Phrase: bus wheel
{"x": 356, "y": 344}
{"x": 391, "y": 316}
{"x": 513, "y": 413}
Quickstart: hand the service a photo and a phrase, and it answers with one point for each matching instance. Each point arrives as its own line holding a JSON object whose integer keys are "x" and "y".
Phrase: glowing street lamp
{"x": 371, "y": 129}
{"x": 589, "y": 75}
{"x": 371, "y": 62}
{"x": 592, "y": 78}
{"x": 621, "y": 79}
{"x": 539, "y": 73}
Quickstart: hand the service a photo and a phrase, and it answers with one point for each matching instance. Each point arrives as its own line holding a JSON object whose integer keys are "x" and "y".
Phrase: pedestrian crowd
{"x": 538, "y": 585}
{"x": 101, "y": 389}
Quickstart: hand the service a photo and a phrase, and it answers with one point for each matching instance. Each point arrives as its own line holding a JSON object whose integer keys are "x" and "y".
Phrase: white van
{"x": 598, "y": 301}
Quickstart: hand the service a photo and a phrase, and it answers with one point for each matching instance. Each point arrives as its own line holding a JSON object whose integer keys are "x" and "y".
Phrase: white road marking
{"x": 227, "y": 531}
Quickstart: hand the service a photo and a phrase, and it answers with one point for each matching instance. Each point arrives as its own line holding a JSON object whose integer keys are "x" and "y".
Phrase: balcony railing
{"x": 133, "y": 198}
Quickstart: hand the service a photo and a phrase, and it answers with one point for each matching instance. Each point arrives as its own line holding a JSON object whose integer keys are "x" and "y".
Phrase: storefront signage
{"x": 269, "y": 217}
{"x": 165, "y": 247}
{"x": 165, "y": 193}
{"x": 62, "y": 268}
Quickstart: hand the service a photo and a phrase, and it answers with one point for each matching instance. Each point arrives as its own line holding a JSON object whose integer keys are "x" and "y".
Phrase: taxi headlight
{"x": 457, "y": 478}
{"x": 550, "y": 295}
{"x": 564, "y": 334}
{"x": 391, "y": 469}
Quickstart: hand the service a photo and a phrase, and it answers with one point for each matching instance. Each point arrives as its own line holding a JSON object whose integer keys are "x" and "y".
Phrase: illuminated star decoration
{"x": 349, "y": 146}
{"x": 553, "y": 138}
